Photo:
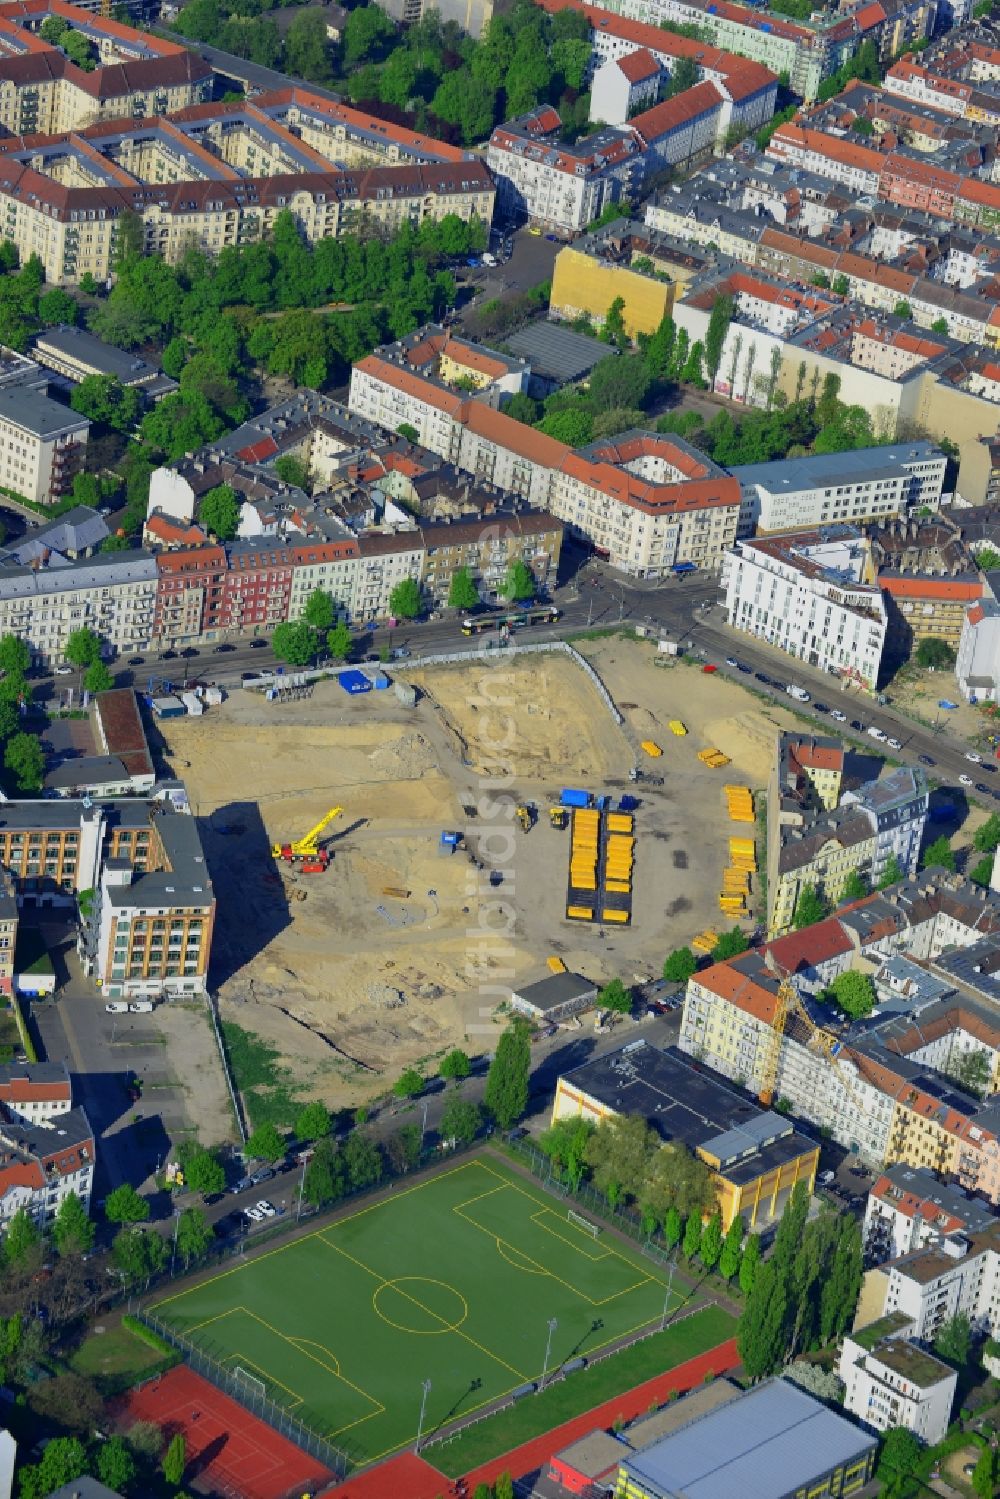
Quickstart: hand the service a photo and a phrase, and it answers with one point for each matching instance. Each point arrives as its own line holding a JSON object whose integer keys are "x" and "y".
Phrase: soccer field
{"x": 453, "y": 1280}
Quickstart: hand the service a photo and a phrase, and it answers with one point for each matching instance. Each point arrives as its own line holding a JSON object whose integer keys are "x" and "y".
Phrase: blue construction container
{"x": 568, "y": 797}
{"x": 627, "y": 803}
{"x": 354, "y": 681}
{"x": 381, "y": 682}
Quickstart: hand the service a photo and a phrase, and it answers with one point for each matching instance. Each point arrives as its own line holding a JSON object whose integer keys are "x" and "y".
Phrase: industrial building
{"x": 554, "y": 998}
{"x": 773, "y": 1442}
{"x": 756, "y": 1156}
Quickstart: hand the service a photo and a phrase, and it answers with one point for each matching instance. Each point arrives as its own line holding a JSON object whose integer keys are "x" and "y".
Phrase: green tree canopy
{"x": 319, "y": 610}
{"x": 409, "y": 1083}
{"x": 938, "y": 853}
{"x": 519, "y": 583}
{"x": 325, "y": 1175}
{"x": 935, "y": 653}
{"x": 339, "y": 641}
{"x": 565, "y": 1143}
{"x": 953, "y": 1342}
{"x": 809, "y": 908}
{"x": 362, "y": 1160}
{"x": 506, "y": 1095}
{"x": 892, "y": 874}
{"x": 124, "y": 1205}
{"x": 203, "y": 1171}
{"x": 455, "y": 1064}
{"x": 72, "y": 1230}
{"x": 219, "y": 512}
{"x": 405, "y": 601}
{"x": 267, "y": 1143}
{"x": 15, "y": 655}
{"x": 462, "y": 591}
{"x": 83, "y": 648}
{"x": 854, "y": 993}
{"x": 295, "y": 642}
{"x": 25, "y": 759}
{"x": 679, "y": 965}
{"x": 313, "y": 1122}
{"x": 461, "y": 1120}
{"x": 98, "y": 678}
{"x": 175, "y": 1460}
{"x": 615, "y": 997}
{"x": 138, "y": 1253}
{"x": 194, "y": 1235}
{"x": 730, "y": 945}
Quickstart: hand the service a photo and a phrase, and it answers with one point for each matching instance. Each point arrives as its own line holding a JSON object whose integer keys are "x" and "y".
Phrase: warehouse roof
{"x": 552, "y": 993}
{"x": 777, "y": 1438}
{"x": 557, "y": 353}
{"x": 857, "y": 466}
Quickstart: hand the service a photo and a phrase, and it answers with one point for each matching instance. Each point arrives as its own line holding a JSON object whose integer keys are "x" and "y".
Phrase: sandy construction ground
{"x": 398, "y": 952}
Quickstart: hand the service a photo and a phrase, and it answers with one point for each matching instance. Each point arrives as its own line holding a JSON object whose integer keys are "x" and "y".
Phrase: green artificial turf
{"x": 452, "y": 1280}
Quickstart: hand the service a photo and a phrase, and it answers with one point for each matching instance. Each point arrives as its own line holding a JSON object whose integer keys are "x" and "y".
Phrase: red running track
{"x": 414, "y": 1478}
{"x": 229, "y": 1451}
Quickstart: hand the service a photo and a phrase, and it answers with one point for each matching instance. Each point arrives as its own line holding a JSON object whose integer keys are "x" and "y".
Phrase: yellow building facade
{"x": 586, "y": 284}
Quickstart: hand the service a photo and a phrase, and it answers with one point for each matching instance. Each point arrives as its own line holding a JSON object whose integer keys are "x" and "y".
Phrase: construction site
{"x": 387, "y": 872}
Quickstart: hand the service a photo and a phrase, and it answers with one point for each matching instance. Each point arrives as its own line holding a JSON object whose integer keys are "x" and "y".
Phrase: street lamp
{"x": 173, "y": 1251}
{"x": 423, "y": 1124}
{"x": 670, "y": 1285}
{"x": 302, "y": 1185}
{"x": 426, "y": 1389}
{"x": 553, "y": 1324}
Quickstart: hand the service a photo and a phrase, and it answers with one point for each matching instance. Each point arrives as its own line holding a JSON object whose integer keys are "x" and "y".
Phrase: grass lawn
{"x": 581, "y": 1392}
{"x": 452, "y": 1280}
{"x": 115, "y": 1358}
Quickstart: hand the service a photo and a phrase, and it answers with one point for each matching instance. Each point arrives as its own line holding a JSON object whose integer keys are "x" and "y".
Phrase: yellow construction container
{"x": 620, "y": 822}
{"x": 618, "y": 887}
{"x": 678, "y": 728}
{"x": 705, "y": 941}
{"x": 556, "y": 965}
{"x": 652, "y": 749}
{"x": 579, "y": 913}
{"x": 608, "y": 915}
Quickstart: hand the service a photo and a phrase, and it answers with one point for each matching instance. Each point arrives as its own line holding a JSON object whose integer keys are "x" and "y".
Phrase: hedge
{"x": 146, "y": 1334}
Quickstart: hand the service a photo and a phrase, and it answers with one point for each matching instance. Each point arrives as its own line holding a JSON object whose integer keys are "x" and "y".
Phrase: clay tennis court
{"x": 229, "y": 1451}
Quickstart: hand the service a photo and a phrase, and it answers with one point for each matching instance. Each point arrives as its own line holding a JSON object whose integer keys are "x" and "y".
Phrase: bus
{"x": 477, "y": 624}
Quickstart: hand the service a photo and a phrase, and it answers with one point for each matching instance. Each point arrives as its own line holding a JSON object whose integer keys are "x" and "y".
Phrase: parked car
{"x": 136, "y": 661}
{"x": 972, "y": 755}
{"x": 964, "y": 780}
{"x": 65, "y": 670}
{"x": 264, "y": 1174}
{"x": 240, "y": 1186}
{"x": 820, "y": 708}
{"x": 188, "y": 652}
{"x": 743, "y": 667}
{"x": 220, "y": 649}
{"x": 837, "y": 716}
{"x": 117, "y": 1007}
{"x": 874, "y": 732}
{"x": 731, "y": 661}
{"x": 141, "y": 1007}
{"x": 167, "y": 656}
{"x": 893, "y": 743}
{"x": 858, "y": 725}
{"x": 925, "y": 759}
{"x": 267, "y": 1208}
{"x": 762, "y": 676}
{"x": 258, "y": 645}
{"x": 254, "y": 1214}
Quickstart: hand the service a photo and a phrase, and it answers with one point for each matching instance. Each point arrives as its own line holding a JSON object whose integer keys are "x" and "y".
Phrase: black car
{"x": 263, "y": 1175}
{"x": 983, "y": 790}
{"x": 136, "y": 661}
{"x": 925, "y": 759}
{"x": 857, "y": 725}
{"x": 219, "y": 649}
{"x": 760, "y": 676}
{"x": 820, "y": 708}
{"x": 188, "y": 652}
{"x": 167, "y": 656}
{"x": 257, "y": 645}
{"x": 742, "y": 666}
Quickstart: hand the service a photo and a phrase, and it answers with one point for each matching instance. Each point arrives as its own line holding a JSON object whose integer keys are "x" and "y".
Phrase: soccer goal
{"x": 578, "y": 1219}
{"x": 251, "y": 1383}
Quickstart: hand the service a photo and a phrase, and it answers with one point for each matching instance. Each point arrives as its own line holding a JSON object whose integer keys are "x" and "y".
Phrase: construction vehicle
{"x": 559, "y": 818}
{"x": 527, "y": 814}
{"x": 820, "y": 1039}
{"x": 556, "y": 965}
{"x": 314, "y": 859}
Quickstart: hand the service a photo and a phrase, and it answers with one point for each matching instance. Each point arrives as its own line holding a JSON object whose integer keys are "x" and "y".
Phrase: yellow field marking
{"x": 243, "y": 1362}
{"x": 529, "y": 1269}
{"x": 478, "y": 1198}
{"x": 215, "y": 1317}
{"x": 430, "y": 1332}
{"x": 303, "y": 1343}
{"x": 580, "y": 1247}
{"x": 318, "y": 1233}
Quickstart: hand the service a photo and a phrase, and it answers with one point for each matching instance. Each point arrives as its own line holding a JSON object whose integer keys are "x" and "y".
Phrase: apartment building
{"x": 486, "y": 546}
{"x": 8, "y": 933}
{"x": 43, "y": 1160}
{"x": 190, "y": 594}
{"x": 561, "y": 185}
{"x": 909, "y": 1207}
{"x": 611, "y": 265}
{"x": 813, "y": 595}
{"x": 931, "y": 1285}
{"x": 889, "y": 1381}
{"x": 113, "y": 593}
{"x": 42, "y": 443}
{"x": 864, "y": 485}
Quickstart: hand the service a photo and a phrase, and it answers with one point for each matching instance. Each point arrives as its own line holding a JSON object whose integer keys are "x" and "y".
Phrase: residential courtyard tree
{"x": 936, "y": 653}
{"x": 405, "y": 601}
{"x": 938, "y": 853}
{"x": 462, "y": 591}
{"x": 679, "y": 965}
{"x": 219, "y": 512}
{"x": 854, "y": 993}
{"x": 124, "y": 1205}
{"x": 809, "y": 908}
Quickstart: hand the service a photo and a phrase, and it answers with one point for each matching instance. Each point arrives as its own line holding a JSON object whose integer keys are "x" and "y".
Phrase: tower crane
{"x": 820, "y": 1039}
{"x": 307, "y": 849}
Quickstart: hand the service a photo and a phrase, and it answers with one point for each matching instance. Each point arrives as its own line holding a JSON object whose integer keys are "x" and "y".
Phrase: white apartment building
{"x": 35, "y": 1091}
{"x": 889, "y": 1381}
{"x": 813, "y": 595}
{"x": 977, "y": 665}
{"x": 930, "y": 1285}
{"x": 386, "y": 560}
{"x": 861, "y": 485}
{"x": 112, "y": 593}
{"x": 908, "y": 1207}
{"x": 42, "y": 444}
{"x": 559, "y": 184}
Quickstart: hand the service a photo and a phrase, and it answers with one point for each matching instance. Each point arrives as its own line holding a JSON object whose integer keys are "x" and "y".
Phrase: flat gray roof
{"x": 773, "y": 1441}
{"x": 29, "y": 407}
{"x": 559, "y": 989}
{"x": 850, "y": 467}
{"x": 77, "y": 343}
{"x": 557, "y": 353}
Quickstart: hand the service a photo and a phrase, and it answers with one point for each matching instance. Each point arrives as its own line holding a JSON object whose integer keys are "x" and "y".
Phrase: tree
{"x": 506, "y": 1095}
{"x": 938, "y": 852}
{"x": 409, "y": 1083}
{"x": 83, "y": 648}
{"x": 461, "y": 1120}
{"x": 715, "y": 336}
{"x": 362, "y": 1160}
{"x": 680, "y": 965}
{"x": 319, "y": 610}
{"x": 691, "y": 1242}
{"x": 954, "y": 1340}
{"x": 619, "y": 381}
{"x": 987, "y": 838}
{"x": 57, "y": 306}
{"x": 15, "y": 656}
{"x": 983, "y": 1474}
{"x": 504, "y": 1486}
{"x": 854, "y": 993}
{"x": 307, "y": 50}
{"x": 901, "y": 1452}
{"x": 366, "y": 35}
{"x": 973, "y": 1071}
{"x": 761, "y": 1338}
{"x": 749, "y": 1264}
{"x": 339, "y": 641}
{"x": 565, "y": 1143}
{"x": 124, "y": 1205}
{"x": 21, "y": 1241}
{"x": 519, "y": 582}
{"x": 267, "y": 1143}
{"x": 673, "y": 1227}
{"x": 730, "y": 945}
{"x": 324, "y": 1178}
{"x": 409, "y": 431}
{"x": 314, "y": 1121}
{"x": 981, "y": 873}
{"x": 403, "y": 1148}
{"x": 139, "y": 1254}
{"x": 614, "y": 996}
{"x": 106, "y": 401}
{"x": 936, "y": 653}
{"x": 729, "y": 1257}
{"x": 902, "y": 309}
{"x": 405, "y": 601}
{"x": 146, "y": 1440}
{"x": 175, "y": 1460}
{"x": 115, "y": 1465}
{"x": 194, "y": 1235}
{"x": 203, "y": 1171}
{"x": 219, "y": 512}
{"x": 72, "y": 1230}
{"x": 573, "y": 425}
{"x": 294, "y": 641}
{"x": 290, "y": 469}
{"x": 455, "y": 1064}
{"x": 98, "y": 678}
{"x": 892, "y": 874}
{"x": 710, "y": 1248}
{"x": 855, "y": 887}
{"x": 63, "y": 1461}
{"x": 462, "y": 591}
{"x": 809, "y": 908}
{"x": 25, "y": 759}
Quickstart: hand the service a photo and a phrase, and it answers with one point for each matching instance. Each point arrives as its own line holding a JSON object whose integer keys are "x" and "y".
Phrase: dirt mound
{"x": 403, "y": 759}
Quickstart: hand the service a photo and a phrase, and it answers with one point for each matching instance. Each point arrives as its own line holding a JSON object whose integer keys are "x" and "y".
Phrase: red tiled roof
{"x": 638, "y": 66}
{"x": 674, "y": 113}
{"x": 931, "y": 588}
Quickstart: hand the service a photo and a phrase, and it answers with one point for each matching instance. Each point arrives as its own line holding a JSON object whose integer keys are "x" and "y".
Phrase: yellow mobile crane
{"x": 314, "y": 859}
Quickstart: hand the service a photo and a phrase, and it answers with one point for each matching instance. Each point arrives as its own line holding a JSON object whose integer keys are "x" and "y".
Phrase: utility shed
{"x": 555, "y": 998}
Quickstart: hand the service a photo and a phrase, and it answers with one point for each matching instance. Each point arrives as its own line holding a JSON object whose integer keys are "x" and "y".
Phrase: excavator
{"x": 559, "y": 818}
{"x": 314, "y": 859}
{"x": 526, "y": 815}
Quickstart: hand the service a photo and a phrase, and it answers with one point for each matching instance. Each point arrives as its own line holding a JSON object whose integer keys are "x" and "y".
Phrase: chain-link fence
{"x": 258, "y": 1403}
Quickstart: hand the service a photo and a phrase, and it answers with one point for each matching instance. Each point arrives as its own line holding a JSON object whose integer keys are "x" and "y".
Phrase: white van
{"x": 116, "y": 1007}
{"x": 141, "y": 1007}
